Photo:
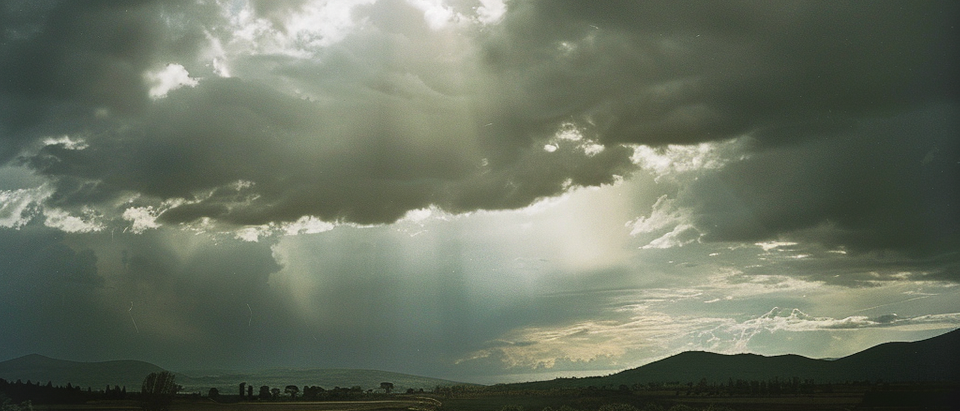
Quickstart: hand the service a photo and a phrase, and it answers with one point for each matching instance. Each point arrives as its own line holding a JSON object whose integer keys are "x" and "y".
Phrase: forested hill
{"x": 934, "y": 359}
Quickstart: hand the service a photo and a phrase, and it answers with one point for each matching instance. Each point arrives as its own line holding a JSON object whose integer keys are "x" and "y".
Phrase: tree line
{"x": 40, "y": 393}
{"x": 292, "y": 393}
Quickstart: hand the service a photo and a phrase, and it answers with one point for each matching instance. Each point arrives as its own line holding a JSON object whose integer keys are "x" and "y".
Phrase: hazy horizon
{"x": 475, "y": 189}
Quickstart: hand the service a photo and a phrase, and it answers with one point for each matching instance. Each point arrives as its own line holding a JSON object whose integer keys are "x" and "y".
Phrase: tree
{"x": 387, "y": 386}
{"x": 214, "y": 393}
{"x": 293, "y": 390}
{"x": 275, "y": 392}
{"x": 242, "y": 389}
{"x": 158, "y": 390}
{"x": 264, "y": 393}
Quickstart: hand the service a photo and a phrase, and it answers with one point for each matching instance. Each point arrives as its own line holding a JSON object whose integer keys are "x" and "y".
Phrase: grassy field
{"x": 207, "y": 405}
{"x": 893, "y": 399}
{"x": 495, "y": 403}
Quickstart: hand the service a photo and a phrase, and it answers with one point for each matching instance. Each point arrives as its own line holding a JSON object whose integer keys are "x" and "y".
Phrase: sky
{"x": 480, "y": 190}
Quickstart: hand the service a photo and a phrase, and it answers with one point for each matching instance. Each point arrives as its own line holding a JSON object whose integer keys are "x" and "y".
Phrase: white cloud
{"x": 13, "y": 204}
{"x": 775, "y": 245}
{"x": 491, "y": 11}
{"x": 669, "y": 222}
{"x": 63, "y": 220}
{"x": 314, "y": 26}
{"x": 680, "y": 236}
{"x": 66, "y": 142}
{"x": 253, "y": 234}
{"x": 435, "y": 13}
{"x": 143, "y": 218}
{"x": 171, "y": 77}
{"x": 736, "y": 336}
{"x": 307, "y": 225}
{"x": 675, "y": 159}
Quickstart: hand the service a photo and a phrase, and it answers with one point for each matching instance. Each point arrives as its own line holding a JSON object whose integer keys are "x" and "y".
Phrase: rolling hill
{"x": 130, "y": 374}
{"x": 934, "y": 359}
{"x": 97, "y": 375}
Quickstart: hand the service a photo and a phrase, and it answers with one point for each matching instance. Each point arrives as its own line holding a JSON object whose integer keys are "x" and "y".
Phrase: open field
{"x": 888, "y": 397}
{"x": 849, "y": 401}
{"x": 845, "y": 402}
{"x": 207, "y": 405}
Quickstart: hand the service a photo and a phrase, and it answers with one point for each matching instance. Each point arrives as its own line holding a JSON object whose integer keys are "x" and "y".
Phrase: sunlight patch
{"x": 491, "y": 11}
{"x": 598, "y": 343}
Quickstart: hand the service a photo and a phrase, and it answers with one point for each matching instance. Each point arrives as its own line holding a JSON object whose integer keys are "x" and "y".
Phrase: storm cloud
{"x": 341, "y": 181}
{"x": 406, "y": 112}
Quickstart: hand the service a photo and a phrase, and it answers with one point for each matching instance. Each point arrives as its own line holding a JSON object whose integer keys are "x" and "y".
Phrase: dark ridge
{"x": 933, "y": 360}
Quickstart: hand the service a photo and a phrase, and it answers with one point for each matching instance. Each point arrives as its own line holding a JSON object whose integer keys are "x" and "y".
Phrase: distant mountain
{"x": 97, "y": 375}
{"x": 227, "y": 382}
{"x": 130, "y": 374}
{"x": 934, "y": 359}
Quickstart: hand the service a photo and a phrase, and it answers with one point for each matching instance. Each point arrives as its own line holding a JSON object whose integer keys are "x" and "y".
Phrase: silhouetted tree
{"x": 275, "y": 392}
{"x": 242, "y": 389}
{"x": 387, "y": 386}
{"x": 312, "y": 392}
{"x": 158, "y": 390}
{"x": 250, "y": 391}
{"x": 293, "y": 390}
{"x": 264, "y": 393}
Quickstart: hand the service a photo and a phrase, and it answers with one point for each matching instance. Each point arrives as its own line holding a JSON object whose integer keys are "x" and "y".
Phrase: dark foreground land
{"x": 937, "y": 397}
{"x": 424, "y": 404}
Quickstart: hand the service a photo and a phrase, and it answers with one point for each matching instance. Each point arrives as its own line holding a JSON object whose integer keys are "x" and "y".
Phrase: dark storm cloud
{"x": 385, "y": 128}
{"x": 889, "y": 183}
{"x": 64, "y": 61}
{"x": 685, "y": 72}
{"x": 176, "y": 301}
{"x": 44, "y": 281}
{"x": 400, "y": 115}
{"x": 387, "y": 122}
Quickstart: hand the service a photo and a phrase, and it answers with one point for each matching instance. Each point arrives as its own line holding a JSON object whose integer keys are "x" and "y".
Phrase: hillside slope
{"x": 97, "y": 375}
{"x": 934, "y": 359}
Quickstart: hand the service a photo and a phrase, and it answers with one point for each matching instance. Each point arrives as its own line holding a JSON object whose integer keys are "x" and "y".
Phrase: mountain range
{"x": 934, "y": 359}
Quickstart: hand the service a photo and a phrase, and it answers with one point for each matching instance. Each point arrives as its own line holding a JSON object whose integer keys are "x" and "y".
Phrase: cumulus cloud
{"x": 169, "y": 78}
{"x": 736, "y": 337}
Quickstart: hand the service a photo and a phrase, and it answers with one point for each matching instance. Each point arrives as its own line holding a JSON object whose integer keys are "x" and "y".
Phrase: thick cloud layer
{"x": 400, "y": 110}
{"x": 755, "y": 151}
